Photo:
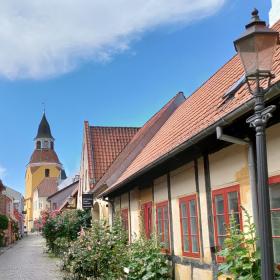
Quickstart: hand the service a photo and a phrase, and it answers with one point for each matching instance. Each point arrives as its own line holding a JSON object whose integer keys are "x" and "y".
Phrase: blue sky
{"x": 114, "y": 86}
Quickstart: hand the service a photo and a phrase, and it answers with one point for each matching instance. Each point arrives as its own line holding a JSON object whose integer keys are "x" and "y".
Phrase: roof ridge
{"x": 141, "y": 139}
{"x": 101, "y": 126}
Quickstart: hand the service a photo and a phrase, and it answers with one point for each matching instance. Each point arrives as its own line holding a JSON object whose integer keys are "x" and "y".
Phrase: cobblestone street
{"x": 27, "y": 261}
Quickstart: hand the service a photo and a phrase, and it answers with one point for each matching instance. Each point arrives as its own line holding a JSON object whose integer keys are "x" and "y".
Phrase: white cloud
{"x": 3, "y": 172}
{"x": 43, "y": 38}
{"x": 274, "y": 14}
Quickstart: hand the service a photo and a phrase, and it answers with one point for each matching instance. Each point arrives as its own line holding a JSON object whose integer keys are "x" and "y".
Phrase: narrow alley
{"x": 27, "y": 261}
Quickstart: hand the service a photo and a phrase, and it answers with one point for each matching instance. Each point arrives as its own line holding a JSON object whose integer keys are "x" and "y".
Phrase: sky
{"x": 113, "y": 63}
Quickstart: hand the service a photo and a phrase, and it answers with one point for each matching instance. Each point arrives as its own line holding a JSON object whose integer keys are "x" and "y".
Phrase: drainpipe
{"x": 251, "y": 165}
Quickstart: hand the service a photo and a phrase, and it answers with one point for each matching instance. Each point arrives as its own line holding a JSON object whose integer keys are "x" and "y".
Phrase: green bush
{"x": 241, "y": 255}
{"x": 147, "y": 262}
{"x": 4, "y": 222}
{"x": 103, "y": 252}
{"x": 99, "y": 253}
{"x": 65, "y": 225}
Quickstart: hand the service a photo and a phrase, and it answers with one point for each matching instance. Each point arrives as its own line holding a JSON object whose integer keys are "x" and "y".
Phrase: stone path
{"x": 27, "y": 261}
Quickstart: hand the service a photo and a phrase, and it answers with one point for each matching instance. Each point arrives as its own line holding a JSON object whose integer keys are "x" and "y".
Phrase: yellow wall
{"x": 228, "y": 167}
{"x": 33, "y": 177}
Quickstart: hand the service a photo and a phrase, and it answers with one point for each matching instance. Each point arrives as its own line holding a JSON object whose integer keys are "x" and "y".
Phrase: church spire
{"x": 44, "y": 130}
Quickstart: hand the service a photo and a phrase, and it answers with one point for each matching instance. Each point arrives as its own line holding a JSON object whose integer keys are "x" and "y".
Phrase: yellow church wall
{"x": 32, "y": 180}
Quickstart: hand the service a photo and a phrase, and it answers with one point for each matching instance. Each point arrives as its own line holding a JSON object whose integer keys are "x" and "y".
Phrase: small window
{"x": 162, "y": 217}
{"x": 189, "y": 226}
{"x": 124, "y": 217}
{"x": 52, "y": 145}
{"x": 38, "y": 145}
{"x": 226, "y": 202}
{"x": 147, "y": 218}
{"x": 47, "y": 173}
{"x": 54, "y": 206}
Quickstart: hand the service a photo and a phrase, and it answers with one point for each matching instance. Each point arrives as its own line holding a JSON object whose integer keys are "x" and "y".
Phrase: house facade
{"x": 66, "y": 195}
{"x": 196, "y": 170}
{"x": 40, "y": 196}
{"x": 101, "y": 146}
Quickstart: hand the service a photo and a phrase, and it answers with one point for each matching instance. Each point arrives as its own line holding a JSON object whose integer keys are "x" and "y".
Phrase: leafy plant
{"x": 147, "y": 262}
{"x": 4, "y": 222}
{"x": 65, "y": 226}
{"x": 240, "y": 253}
{"x": 98, "y": 253}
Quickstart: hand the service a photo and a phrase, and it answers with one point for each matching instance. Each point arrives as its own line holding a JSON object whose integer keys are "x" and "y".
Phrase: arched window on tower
{"x": 46, "y": 144}
{"x": 52, "y": 145}
{"x": 38, "y": 145}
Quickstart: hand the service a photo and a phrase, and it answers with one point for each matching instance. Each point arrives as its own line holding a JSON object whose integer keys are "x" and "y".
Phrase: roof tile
{"x": 201, "y": 109}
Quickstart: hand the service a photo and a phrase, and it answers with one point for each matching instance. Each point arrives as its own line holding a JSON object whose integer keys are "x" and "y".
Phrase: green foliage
{"x": 99, "y": 253}
{"x": 147, "y": 262}
{"x": 4, "y": 222}
{"x": 241, "y": 255}
{"x": 103, "y": 252}
{"x": 64, "y": 227}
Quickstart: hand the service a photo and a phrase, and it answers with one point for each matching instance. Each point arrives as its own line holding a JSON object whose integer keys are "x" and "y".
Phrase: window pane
{"x": 192, "y": 208}
{"x": 194, "y": 244}
{"x": 221, "y": 225}
{"x": 221, "y": 240}
{"x": 274, "y": 192}
{"x": 232, "y": 202}
{"x": 219, "y": 203}
{"x": 236, "y": 218}
{"x": 276, "y": 249}
{"x": 185, "y": 226}
{"x": 165, "y": 212}
{"x": 275, "y": 220}
{"x": 186, "y": 243}
{"x": 193, "y": 225}
{"x": 159, "y": 221}
{"x": 183, "y": 210}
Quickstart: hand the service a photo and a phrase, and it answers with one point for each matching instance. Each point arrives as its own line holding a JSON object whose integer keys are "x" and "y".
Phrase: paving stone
{"x": 27, "y": 261}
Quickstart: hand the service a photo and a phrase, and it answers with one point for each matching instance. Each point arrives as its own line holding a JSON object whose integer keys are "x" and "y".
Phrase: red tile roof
{"x": 44, "y": 155}
{"x": 139, "y": 141}
{"x": 47, "y": 187}
{"x": 200, "y": 110}
{"x": 104, "y": 145}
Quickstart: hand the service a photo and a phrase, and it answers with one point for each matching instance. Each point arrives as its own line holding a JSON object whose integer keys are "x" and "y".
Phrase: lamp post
{"x": 256, "y": 48}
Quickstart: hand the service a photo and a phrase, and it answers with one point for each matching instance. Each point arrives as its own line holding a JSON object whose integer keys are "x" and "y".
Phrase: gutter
{"x": 226, "y": 120}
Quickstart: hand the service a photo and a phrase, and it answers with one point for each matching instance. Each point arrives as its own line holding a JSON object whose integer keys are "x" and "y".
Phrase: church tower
{"x": 43, "y": 163}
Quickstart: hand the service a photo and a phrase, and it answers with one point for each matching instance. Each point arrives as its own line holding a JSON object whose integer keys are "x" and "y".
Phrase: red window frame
{"x": 224, "y": 192}
{"x": 163, "y": 205}
{"x": 124, "y": 218}
{"x": 187, "y": 200}
{"x": 147, "y": 209}
{"x": 274, "y": 180}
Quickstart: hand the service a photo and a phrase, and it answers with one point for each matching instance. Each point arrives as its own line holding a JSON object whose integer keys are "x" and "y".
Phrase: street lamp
{"x": 256, "y": 48}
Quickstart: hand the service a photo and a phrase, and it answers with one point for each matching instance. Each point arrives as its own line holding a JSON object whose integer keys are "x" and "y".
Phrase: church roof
{"x": 45, "y": 155}
{"x": 44, "y": 130}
